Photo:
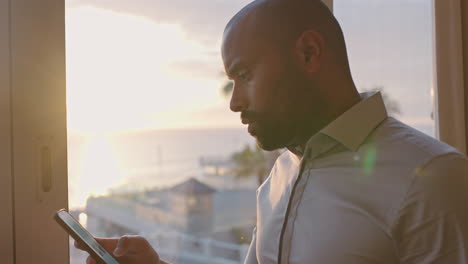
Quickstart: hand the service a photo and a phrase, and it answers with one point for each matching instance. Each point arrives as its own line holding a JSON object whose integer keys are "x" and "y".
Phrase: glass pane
{"x": 151, "y": 136}
{"x": 153, "y": 147}
{"x": 390, "y": 48}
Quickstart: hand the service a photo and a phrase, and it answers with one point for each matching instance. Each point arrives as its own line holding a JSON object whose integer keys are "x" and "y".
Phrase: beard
{"x": 269, "y": 143}
{"x": 271, "y": 135}
{"x": 277, "y": 130}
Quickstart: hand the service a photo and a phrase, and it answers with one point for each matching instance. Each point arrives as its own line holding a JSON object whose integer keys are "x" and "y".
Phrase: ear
{"x": 309, "y": 50}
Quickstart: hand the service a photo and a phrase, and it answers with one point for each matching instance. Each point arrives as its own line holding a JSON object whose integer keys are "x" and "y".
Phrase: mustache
{"x": 250, "y": 115}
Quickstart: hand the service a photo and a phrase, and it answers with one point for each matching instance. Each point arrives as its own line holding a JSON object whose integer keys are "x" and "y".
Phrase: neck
{"x": 338, "y": 105}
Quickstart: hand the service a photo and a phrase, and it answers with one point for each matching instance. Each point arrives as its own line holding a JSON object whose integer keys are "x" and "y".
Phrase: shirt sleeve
{"x": 432, "y": 223}
{"x": 251, "y": 257}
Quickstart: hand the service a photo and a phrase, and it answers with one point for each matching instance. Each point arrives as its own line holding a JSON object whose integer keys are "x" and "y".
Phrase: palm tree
{"x": 253, "y": 162}
{"x": 227, "y": 88}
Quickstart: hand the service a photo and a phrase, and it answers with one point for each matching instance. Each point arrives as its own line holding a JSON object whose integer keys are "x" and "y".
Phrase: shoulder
{"x": 403, "y": 147}
{"x": 395, "y": 134}
{"x": 437, "y": 190}
{"x": 427, "y": 176}
{"x": 433, "y": 218}
{"x": 436, "y": 167}
{"x": 443, "y": 180}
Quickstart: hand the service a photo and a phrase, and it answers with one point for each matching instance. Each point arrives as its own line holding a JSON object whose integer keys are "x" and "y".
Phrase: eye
{"x": 243, "y": 75}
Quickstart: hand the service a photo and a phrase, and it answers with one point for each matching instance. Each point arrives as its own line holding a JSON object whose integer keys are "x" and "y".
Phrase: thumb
{"x": 122, "y": 246}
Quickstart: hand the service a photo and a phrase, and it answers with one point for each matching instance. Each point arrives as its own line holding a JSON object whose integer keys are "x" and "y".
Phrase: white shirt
{"x": 369, "y": 189}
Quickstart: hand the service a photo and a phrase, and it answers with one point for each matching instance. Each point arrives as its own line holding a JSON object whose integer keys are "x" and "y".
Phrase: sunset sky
{"x": 141, "y": 64}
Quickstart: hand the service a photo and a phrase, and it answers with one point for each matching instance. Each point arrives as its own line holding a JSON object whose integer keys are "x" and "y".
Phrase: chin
{"x": 268, "y": 144}
{"x": 277, "y": 137}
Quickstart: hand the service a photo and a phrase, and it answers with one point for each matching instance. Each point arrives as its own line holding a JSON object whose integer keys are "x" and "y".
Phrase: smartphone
{"x": 83, "y": 237}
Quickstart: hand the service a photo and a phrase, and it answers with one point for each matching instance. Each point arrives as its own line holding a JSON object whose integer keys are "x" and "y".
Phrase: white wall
{"x": 6, "y": 215}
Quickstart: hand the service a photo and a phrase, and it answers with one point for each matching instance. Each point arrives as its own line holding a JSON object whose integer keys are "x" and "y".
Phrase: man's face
{"x": 267, "y": 88}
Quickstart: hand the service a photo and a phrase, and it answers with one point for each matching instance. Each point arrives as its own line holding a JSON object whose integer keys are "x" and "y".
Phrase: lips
{"x": 246, "y": 121}
{"x": 251, "y": 129}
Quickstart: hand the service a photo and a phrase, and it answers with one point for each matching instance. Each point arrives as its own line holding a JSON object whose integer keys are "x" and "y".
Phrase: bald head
{"x": 281, "y": 23}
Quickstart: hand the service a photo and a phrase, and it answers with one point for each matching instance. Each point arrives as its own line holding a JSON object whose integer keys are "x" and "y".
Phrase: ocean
{"x": 132, "y": 161}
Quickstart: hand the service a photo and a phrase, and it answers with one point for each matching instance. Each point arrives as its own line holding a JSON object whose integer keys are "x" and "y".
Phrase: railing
{"x": 173, "y": 245}
{"x": 176, "y": 246}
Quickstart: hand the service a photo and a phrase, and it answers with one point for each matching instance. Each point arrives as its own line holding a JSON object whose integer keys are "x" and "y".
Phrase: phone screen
{"x": 84, "y": 237}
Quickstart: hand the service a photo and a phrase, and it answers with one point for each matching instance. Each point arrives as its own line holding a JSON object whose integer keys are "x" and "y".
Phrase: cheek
{"x": 261, "y": 94}
{"x": 286, "y": 95}
{"x": 269, "y": 98}
{"x": 270, "y": 91}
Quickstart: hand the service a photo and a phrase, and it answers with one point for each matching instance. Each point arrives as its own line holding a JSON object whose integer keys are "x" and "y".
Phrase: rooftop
{"x": 192, "y": 186}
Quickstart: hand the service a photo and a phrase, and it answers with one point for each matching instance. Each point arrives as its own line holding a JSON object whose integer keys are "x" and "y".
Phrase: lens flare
{"x": 369, "y": 161}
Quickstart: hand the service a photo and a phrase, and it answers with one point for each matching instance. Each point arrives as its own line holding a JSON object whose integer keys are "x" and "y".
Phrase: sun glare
{"x": 120, "y": 72}
{"x": 98, "y": 171}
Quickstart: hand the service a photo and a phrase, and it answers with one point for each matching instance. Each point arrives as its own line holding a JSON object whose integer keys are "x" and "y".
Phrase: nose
{"x": 238, "y": 100}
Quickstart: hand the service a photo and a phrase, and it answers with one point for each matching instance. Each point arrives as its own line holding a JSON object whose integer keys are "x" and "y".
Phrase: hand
{"x": 127, "y": 250}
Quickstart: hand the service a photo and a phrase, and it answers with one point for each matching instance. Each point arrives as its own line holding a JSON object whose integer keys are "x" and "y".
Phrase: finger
{"x": 78, "y": 245}
{"x": 90, "y": 260}
{"x": 131, "y": 245}
{"x": 108, "y": 243}
{"x": 122, "y": 247}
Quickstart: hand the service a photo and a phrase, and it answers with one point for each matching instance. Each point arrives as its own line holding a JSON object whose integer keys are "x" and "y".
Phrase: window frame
{"x": 464, "y": 10}
{"x": 6, "y": 181}
{"x": 449, "y": 101}
{"x": 35, "y": 92}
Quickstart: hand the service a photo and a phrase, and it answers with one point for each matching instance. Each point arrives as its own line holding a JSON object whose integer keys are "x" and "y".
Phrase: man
{"x": 356, "y": 186}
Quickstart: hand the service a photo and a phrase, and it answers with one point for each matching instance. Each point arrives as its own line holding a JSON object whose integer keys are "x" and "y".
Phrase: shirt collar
{"x": 353, "y": 126}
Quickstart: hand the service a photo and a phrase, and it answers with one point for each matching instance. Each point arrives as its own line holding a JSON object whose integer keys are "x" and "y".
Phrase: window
{"x": 149, "y": 151}
{"x": 32, "y": 111}
{"x": 390, "y": 47}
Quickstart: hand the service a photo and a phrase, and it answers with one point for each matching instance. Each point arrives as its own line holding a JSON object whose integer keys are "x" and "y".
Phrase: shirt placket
{"x": 316, "y": 146}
